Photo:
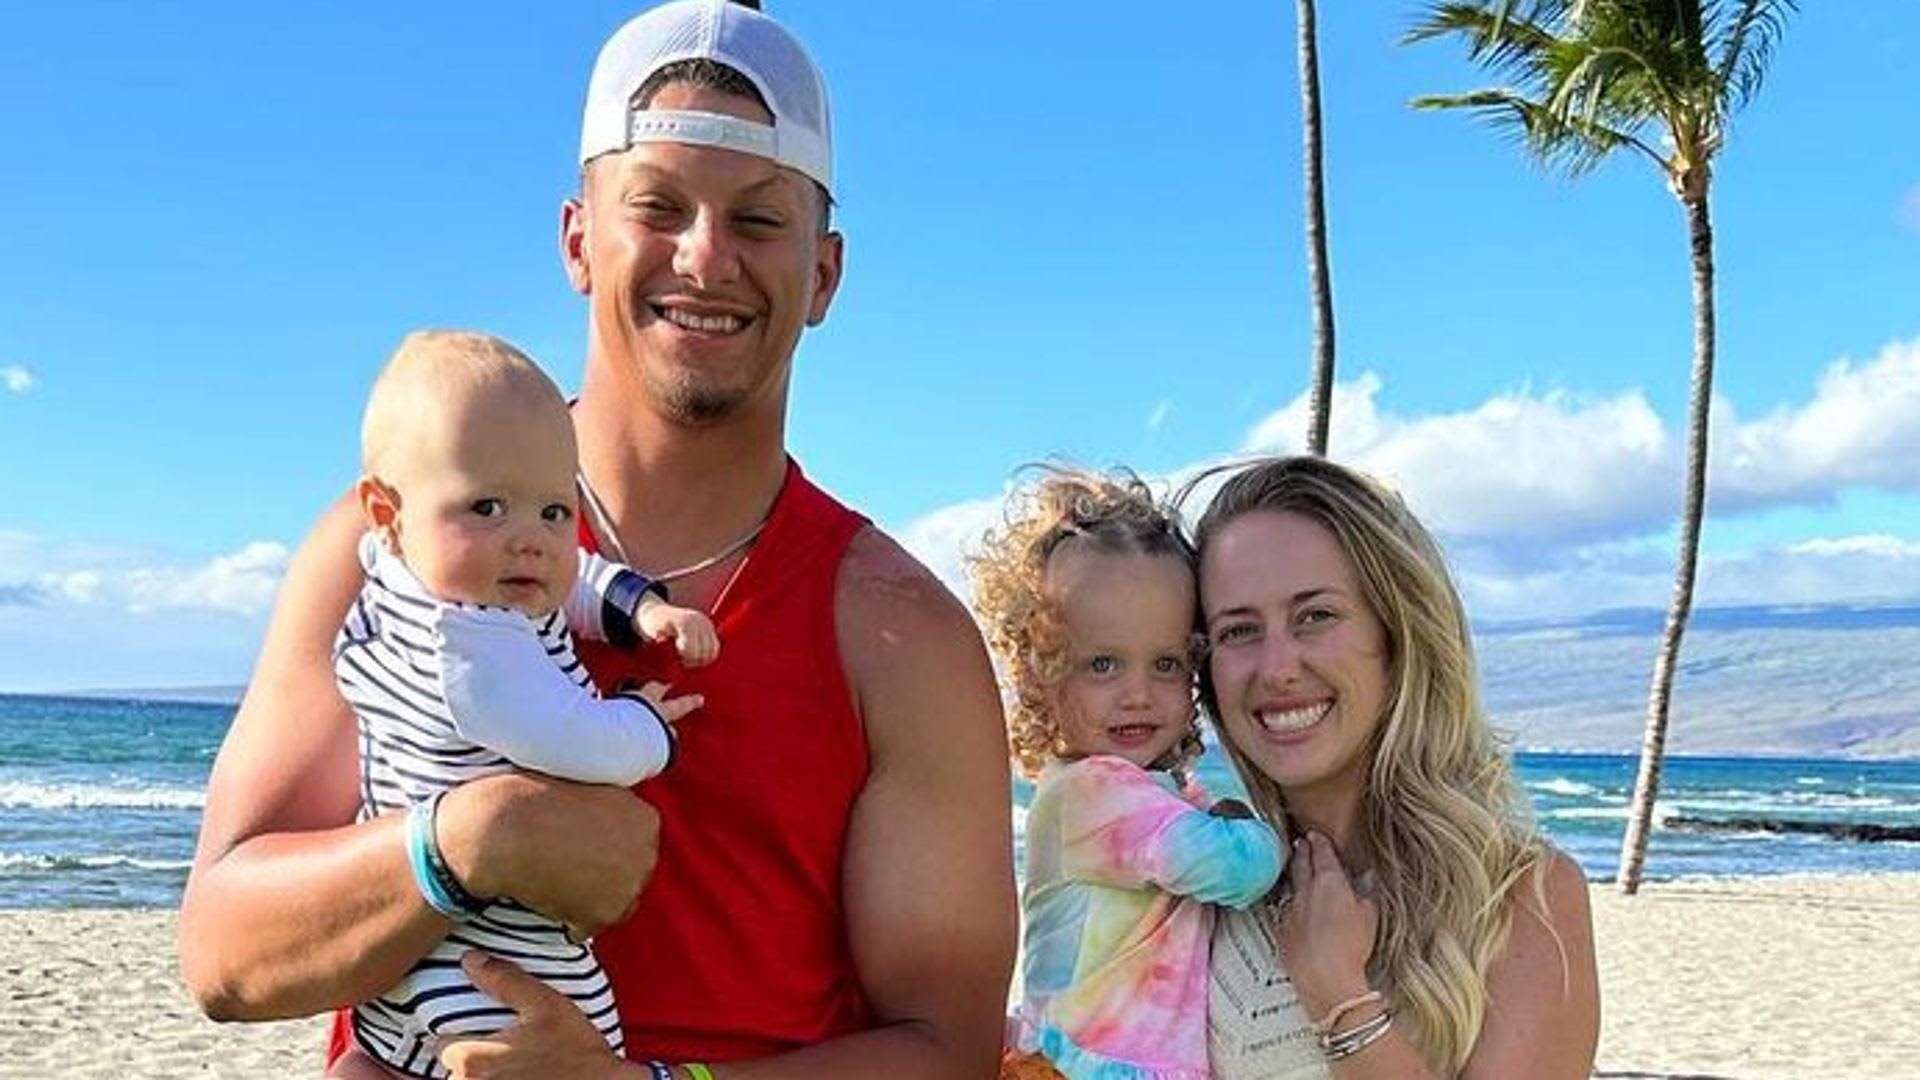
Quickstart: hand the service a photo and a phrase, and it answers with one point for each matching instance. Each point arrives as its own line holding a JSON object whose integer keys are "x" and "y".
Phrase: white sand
{"x": 1812, "y": 978}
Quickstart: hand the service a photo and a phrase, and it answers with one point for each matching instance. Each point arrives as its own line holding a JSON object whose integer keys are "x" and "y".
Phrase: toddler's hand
{"x": 1230, "y": 808}
{"x": 690, "y": 631}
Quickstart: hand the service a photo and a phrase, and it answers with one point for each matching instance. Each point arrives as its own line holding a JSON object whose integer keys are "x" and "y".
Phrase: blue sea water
{"x": 100, "y": 803}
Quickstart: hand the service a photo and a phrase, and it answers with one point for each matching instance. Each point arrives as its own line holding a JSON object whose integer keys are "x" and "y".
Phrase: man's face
{"x": 701, "y": 266}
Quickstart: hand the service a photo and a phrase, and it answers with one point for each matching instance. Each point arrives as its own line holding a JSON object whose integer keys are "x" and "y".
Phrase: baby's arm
{"x": 616, "y": 603}
{"x": 1121, "y": 828}
{"x": 504, "y": 692}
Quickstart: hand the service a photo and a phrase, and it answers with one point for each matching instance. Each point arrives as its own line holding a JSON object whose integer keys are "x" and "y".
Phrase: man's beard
{"x": 689, "y": 403}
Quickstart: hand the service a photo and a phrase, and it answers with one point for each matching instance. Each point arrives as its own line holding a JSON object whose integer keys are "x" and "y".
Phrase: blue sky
{"x": 1073, "y": 230}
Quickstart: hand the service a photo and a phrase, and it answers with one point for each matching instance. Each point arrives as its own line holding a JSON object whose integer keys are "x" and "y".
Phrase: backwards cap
{"x": 743, "y": 39}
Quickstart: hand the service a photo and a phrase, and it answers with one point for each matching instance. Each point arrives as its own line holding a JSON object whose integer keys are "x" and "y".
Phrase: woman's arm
{"x": 1543, "y": 994}
{"x": 1543, "y": 998}
{"x": 291, "y": 908}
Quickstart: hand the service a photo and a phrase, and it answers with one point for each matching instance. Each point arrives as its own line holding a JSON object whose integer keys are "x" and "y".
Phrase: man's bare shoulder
{"x": 902, "y": 632}
{"x": 880, "y": 580}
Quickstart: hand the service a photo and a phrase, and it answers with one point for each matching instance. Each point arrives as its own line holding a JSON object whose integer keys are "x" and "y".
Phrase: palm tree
{"x": 1592, "y": 77}
{"x": 1320, "y": 409}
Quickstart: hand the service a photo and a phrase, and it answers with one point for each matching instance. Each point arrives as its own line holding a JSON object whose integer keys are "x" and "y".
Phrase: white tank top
{"x": 1256, "y": 1029}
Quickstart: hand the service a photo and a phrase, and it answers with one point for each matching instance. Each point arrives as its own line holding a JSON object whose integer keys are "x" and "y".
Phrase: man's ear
{"x": 827, "y": 267}
{"x": 573, "y": 244}
{"x": 380, "y": 506}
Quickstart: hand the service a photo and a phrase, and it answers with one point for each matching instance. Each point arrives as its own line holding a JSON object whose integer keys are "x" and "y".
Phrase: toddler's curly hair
{"x": 1112, "y": 513}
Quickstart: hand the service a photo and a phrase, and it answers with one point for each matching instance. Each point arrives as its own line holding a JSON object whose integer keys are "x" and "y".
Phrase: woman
{"x": 1424, "y": 927}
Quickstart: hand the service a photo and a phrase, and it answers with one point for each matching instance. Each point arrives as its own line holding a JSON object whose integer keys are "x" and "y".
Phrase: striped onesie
{"x": 446, "y": 693}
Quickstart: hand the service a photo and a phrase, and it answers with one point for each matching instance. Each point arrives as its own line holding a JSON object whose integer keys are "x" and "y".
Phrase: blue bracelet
{"x": 431, "y": 875}
{"x": 659, "y": 1071}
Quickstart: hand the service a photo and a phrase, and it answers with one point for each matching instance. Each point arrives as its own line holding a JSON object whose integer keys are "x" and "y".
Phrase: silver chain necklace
{"x": 603, "y": 524}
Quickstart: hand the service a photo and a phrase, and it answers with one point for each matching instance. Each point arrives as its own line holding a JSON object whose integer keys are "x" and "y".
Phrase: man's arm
{"x": 929, "y": 862}
{"x": 292, "y": 909}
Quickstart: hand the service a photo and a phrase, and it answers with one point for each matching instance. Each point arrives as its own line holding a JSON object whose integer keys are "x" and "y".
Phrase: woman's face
{"x": 1299, "y": 660}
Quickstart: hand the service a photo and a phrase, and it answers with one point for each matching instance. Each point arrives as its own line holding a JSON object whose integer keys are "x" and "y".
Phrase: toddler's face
{"x": 487, "y": 508}
{"x": 1129, "y": 620}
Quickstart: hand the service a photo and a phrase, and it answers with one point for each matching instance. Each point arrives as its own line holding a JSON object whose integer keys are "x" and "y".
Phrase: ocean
{"x": 100, "y": 803}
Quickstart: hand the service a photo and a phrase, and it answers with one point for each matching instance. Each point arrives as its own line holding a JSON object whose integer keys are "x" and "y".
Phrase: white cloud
{"x": 242, "y": 583}
{"x": 1552, "y": 464}
{"x": 1158, "y": 417}
{"x": 17, "y": 379}
{"x": 1907, "y": 211}
{"x": 1558, "y": 465}
{"x": 943, "y": 538}
{"x": 1639, "y": 574}
{"x": 1558, "y": 503}
{"x": 1860, "y": 428}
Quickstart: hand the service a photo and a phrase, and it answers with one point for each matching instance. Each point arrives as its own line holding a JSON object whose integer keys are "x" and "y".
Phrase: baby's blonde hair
{"x": 445, "y": 369}
{"x": 1113, "y": 513}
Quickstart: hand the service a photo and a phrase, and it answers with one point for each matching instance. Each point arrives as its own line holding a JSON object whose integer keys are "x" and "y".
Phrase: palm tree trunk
{"x": 1633, "y": 849}
{"x": 1320, "y": 409}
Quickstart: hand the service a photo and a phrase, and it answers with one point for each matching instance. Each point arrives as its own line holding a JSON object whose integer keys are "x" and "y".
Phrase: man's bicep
{"x": 929, "y": 862}
{"x": 289, "y": 759}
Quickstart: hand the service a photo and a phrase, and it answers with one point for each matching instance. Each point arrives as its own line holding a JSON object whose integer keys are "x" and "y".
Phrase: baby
{"x": 458, "y": 662}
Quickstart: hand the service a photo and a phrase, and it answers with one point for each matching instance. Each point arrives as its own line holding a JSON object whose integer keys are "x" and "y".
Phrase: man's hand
{"x": 576, "y": 853}
{"x": 690, "y": 631}
{"x": 549, "y": 1036}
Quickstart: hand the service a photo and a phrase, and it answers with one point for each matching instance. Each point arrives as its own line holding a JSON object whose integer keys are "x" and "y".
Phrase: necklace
{"x": 603, "y": 524}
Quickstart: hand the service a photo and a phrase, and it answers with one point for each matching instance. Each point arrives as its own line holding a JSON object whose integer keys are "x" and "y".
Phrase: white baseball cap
{"x": 743, "y": 39}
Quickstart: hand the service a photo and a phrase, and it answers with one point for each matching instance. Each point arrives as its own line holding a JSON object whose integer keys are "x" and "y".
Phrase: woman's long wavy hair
{"x": 1452, "y": 838}
{"x": 1113, "y": 513}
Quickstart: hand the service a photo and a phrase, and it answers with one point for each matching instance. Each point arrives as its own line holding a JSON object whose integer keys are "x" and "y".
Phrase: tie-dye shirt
{"x": 1122, "y": 871}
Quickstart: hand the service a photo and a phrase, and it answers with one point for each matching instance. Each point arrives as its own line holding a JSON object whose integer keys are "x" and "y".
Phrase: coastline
{"x": 1750, "y": 978}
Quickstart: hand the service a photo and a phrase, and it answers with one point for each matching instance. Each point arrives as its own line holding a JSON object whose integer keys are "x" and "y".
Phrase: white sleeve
{"x": 504, "y": 692}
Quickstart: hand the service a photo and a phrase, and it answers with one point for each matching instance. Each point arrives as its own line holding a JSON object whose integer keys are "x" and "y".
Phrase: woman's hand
{"x": 549, "y": 1036}
{"x": 1327, "y": 931}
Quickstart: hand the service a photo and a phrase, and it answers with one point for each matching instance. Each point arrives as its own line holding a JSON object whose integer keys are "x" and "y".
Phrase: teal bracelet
{"x": 431, "y": 874}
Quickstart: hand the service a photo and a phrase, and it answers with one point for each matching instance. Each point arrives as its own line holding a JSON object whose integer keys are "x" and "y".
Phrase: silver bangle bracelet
{"x": 1345, "y": 1044}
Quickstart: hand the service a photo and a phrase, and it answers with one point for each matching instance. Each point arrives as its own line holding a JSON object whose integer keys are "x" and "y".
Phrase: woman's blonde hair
{"x": 1112, "y": 513}
{"x": 1450, "y": 832}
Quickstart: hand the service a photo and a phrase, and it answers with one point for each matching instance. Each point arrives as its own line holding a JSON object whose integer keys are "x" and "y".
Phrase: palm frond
{"x": 1574, "y": 145}
{"x": 1505, "y": 36}
{"x": 1744, "y": 46}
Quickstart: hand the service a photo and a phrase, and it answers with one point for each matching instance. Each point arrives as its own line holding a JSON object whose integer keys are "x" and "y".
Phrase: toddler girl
{"x": 1089, "y": 602}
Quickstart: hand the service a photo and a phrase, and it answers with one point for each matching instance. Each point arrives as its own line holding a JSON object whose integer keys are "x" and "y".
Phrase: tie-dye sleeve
{"x": 1120, "y": 827}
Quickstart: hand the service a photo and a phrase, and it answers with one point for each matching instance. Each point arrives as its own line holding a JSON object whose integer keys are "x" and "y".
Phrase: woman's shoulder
{"x": 1555, "y": 891}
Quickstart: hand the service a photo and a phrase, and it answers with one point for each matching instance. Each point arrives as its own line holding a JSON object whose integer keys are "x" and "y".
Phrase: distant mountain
{"x": 1886, "y": 616}
{"x": 199, "y": 695}
{"x": 1819, "y": 681}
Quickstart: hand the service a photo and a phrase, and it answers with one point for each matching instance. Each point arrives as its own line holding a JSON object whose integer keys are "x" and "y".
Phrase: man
{"x": 834, "y": 895}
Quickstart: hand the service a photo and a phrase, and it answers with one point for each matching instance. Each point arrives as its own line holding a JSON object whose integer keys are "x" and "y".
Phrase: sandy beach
{"x": 1812, "y": 978}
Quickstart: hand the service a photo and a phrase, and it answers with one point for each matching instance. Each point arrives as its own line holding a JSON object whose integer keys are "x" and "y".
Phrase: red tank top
{"x": 738, "y": 947}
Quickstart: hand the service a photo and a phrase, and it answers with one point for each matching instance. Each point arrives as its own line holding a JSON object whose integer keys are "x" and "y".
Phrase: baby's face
{"x": 487, "y": 508}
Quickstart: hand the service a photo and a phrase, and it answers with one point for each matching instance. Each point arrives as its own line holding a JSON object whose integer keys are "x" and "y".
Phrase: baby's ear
{"x": 380, "y": 506}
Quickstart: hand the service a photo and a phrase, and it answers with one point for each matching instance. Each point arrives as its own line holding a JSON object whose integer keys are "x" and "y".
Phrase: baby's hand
{"x": 690, "y": 631}
{"x": 671, "y": 709}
